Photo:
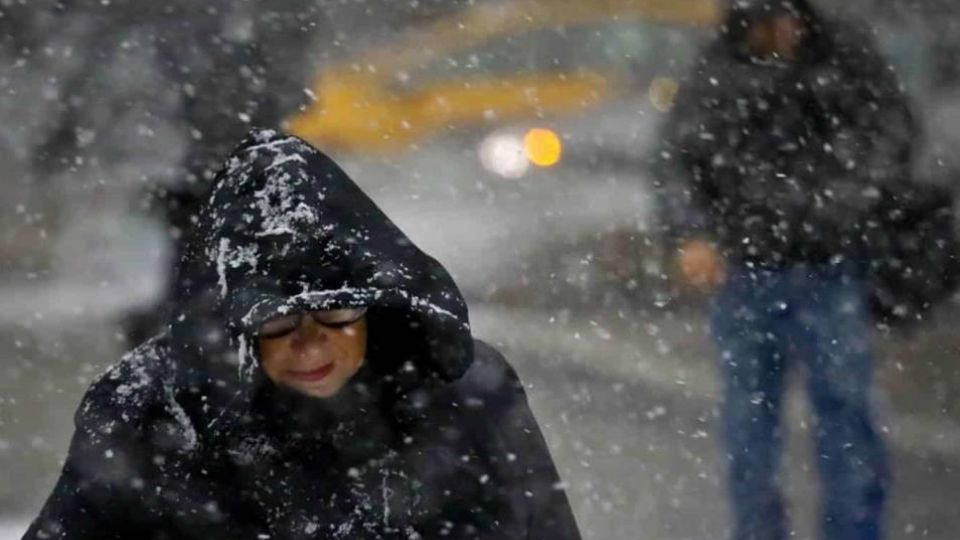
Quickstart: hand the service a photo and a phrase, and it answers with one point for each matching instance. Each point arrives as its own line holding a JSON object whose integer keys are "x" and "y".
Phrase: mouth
{"x": 313, "y": 375}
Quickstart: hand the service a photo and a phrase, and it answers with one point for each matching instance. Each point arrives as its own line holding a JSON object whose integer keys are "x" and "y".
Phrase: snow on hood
{"x": 285, "y": 228}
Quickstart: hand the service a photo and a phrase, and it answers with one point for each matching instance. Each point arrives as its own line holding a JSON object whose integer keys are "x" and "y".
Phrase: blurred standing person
{"x": 785, "y": 137}
{"x": 248, "y": 63}
{"x": 150, "y": 99}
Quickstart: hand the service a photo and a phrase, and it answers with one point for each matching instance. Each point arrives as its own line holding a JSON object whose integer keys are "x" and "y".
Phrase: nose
{"x": 310, "y": 336}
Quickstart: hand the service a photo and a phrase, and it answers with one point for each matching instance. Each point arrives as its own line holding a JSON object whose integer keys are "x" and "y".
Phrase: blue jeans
{"x": 762, "y": 321}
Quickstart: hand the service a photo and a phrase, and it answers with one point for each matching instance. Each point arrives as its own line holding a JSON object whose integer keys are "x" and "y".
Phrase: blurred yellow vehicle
{"x": 509, "y": 139}
{"x": 496, "y": 63}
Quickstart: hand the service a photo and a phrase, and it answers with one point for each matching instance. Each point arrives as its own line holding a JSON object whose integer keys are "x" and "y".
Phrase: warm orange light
{"x": 542, "y": 146}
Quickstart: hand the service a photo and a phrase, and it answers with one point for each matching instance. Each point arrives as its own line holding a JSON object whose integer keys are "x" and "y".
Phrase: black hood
{"x": 285, "y": 228}
{"x": 745, "y": 13}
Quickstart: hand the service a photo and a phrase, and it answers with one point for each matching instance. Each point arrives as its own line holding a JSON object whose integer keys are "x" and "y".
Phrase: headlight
{"x": 510, "y": 155}
{"x": 542, "y": 147}
{"x": 503, "y": 154}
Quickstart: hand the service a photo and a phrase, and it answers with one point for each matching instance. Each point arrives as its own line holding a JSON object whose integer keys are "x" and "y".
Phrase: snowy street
{"x": 317, "y": 205}
{"x": 629, "y": 410}
{"x": 631, "y": 419}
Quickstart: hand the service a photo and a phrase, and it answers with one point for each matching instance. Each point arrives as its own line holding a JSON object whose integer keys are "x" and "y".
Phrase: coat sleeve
{"x": 96, "y": 492}
{"x": 518, "y": 448}
{"x": 872, "y": 130}
{"x": 679, "y": 159}
{"x": 135, "y": 467}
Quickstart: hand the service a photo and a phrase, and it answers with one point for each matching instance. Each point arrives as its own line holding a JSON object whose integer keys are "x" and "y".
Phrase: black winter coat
{"x": 787, "y": 162}
{"x": 186, "y": 437}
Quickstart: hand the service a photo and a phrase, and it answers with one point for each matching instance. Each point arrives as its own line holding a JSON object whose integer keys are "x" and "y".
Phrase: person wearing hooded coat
{"x": 783, "y": 142}
{"x": 407, "y": 427}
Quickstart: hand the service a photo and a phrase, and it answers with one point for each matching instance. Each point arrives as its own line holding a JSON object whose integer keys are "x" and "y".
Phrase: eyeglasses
{"x": 333, "y": 318}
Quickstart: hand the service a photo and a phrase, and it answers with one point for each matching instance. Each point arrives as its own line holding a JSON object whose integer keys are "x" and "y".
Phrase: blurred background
{"x": 509, "y": 139}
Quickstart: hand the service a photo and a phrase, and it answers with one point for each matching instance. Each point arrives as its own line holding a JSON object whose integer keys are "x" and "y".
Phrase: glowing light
{"x": 542, "y": 147}
{"x": 662, "y": 92}
{"x": 504, "y": 155}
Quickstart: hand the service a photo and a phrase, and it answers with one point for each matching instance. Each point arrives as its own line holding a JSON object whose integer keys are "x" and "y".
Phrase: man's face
{"x": 315, "y": 353}
{"x": 779, "y": 36}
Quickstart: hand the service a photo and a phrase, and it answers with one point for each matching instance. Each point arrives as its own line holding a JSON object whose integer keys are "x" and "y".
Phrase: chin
{"x": 321, "y": 392}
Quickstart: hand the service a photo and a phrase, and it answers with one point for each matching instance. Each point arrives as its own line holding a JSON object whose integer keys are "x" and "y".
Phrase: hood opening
{"x": 285, "y": 228}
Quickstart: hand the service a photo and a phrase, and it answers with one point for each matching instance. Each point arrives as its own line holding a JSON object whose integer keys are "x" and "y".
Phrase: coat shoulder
{"x": 490, "y": 376}
{"x": 128, "y": 388}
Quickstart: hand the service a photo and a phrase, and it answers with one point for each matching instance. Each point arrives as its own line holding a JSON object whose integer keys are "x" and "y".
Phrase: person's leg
{"x": 752, "y": 368}
{"x": 834, "y": 332}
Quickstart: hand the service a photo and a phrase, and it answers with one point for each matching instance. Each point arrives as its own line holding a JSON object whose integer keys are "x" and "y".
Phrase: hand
{"x": 701, "y": 265}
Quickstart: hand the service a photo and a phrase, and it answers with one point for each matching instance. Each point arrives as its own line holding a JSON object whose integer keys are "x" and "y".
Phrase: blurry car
{"x": 508, "y": 139}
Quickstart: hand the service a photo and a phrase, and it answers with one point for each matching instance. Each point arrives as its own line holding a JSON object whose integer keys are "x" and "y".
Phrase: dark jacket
{"x": 787, "y": 161}
{"x": 186, "y": 437}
